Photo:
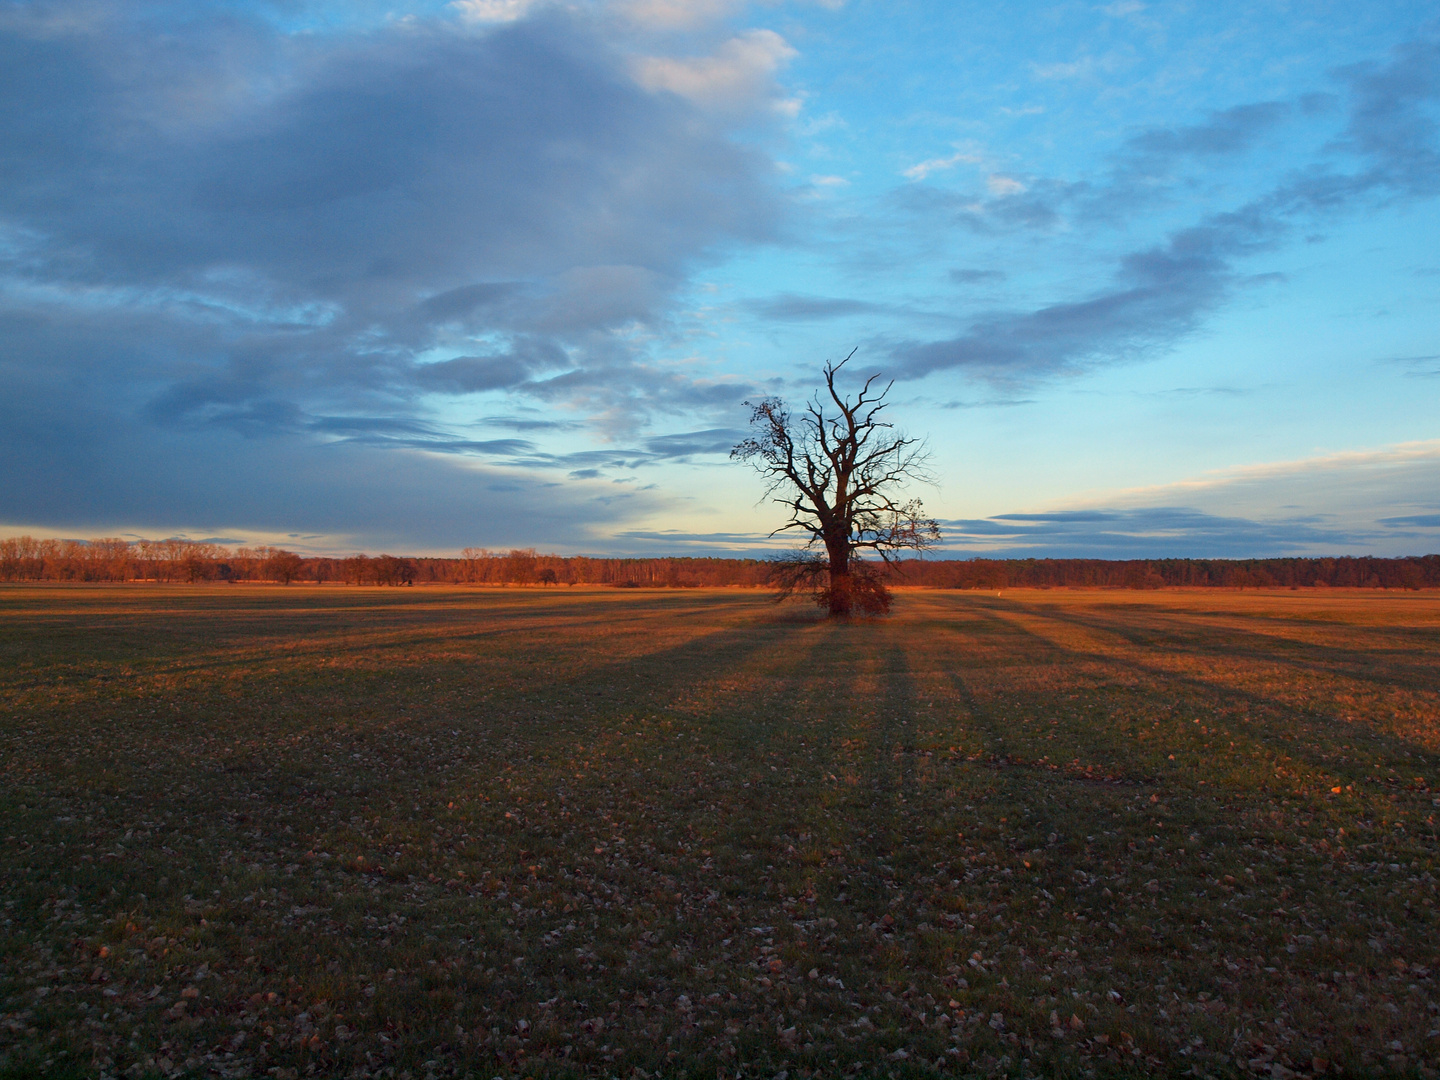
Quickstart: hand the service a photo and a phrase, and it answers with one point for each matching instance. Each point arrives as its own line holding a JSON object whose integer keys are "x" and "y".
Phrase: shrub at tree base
{"x": 861, "y": 591}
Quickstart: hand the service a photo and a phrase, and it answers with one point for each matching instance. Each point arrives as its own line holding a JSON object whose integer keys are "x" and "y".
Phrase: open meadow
{"x": 415, "y": 833}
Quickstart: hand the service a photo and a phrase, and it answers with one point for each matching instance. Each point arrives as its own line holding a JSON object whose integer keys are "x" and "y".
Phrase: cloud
{"x": 678, "y": 14}
{"x": 792, "y": 307}
{"x": 93, "y": 468}
{"x": 472, "y": 374}
{"x": 1158, "y": 294}
{"x": 525, "y": 423}
{"x": 1368, "y": 467}
{"x": 988, "y": 403}
{"x": 739, "y": 74}
{"x": 495, "y": 10}
{"x": 600, "y": 297}
{"x": 690, "y": 14}
{"x": 1330, "y": 504}
{"x": 1085, "y": 68}
{"x": 923, "y": 170}
{"x": 676, "y": 542}
{"x": 1141, "y": 533}
{"x": 690, "y": 443}
{"x": 465, "y": 303}
{"x": 973, "y": 276}
{"x": 613, "y": 393}
{"x": 220, "y": 230}
{"x": 1228, "y": 131}
{"x": 1391, "y": 122}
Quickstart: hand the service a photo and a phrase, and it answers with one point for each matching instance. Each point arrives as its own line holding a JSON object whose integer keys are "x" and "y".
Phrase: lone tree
{"x": 839, "y": 469}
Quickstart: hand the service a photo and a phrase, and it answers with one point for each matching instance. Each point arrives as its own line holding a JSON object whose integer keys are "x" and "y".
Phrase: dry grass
{"x": 415, "y": 833}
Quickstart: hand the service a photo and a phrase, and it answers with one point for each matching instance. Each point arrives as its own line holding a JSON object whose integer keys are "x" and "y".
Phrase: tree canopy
{"x": 840, "y": 469}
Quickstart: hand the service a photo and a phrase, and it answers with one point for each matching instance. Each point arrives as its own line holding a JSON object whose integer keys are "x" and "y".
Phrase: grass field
{"x": 420, "y": 833}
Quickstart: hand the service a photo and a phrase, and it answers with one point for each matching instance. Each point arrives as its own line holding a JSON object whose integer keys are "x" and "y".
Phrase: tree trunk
{"x": 841, "y": 598}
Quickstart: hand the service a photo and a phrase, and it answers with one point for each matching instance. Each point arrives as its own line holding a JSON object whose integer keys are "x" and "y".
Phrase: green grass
{"x": 422, "y": 833}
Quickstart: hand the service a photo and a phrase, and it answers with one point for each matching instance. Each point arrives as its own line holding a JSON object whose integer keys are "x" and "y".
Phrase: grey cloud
{"x": 1159, "y": 294}
{"x": 597, "y": 297}
{"x": 1149, "y": 532}
{"x": 991, "y": 403}
{"x": 1225, "y": 132}
{"x": 722, "y": 545}
{"x": 418, "y": 161}
{"x": 101, "y": 469}
{"x": 1063, "y": 517}
{"x": 1203, "y": 391}
{"x": 368, "y": 425}
{"x": 686, "y": 444}
{"x": 507, "y": 448}
{"x": 472, "y": 374}
{"x": 620, "y": 386}
{"x": 1388, "y": 122}
{"x": 460, "y": 304}
{"x": 1424, "y": 366}
{"x": 592, "y": 463}
{"x": 1418, "y": 521}
{"x": 524, "y": 423}
{"x": 974, "y": 277}
{"x": 675, "y": 536}
{"x": 413, "y": 435}
{"x": 219, "y": 227}
{"x": 392, "y": 149}
{"x": 1318, "y": 102}
{"x": 791, "y": 307}
{"x": 1039, "y": 206}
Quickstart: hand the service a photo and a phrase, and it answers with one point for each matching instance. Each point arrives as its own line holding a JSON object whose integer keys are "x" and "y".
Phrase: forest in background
{"x": 26, "y": 558}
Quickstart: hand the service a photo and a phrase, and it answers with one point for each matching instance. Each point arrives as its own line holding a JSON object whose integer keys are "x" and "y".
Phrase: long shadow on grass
{"x": 302, "y": 770}
{"x": 1403, "y": 668}
{"x": 1188, "y": 689}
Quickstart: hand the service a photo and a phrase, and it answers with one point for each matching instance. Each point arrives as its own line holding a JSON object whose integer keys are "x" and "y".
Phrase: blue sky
{"x": 1151, "y": 278}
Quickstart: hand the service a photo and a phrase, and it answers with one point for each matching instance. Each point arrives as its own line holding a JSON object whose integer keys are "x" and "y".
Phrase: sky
{"x": 1150, "y": 279}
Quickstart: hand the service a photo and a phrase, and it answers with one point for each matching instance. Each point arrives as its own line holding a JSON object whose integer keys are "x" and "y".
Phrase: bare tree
{"x": 839, "y": 468}
{"x": 392, "y": 570}
{"x": 281, "y": 565}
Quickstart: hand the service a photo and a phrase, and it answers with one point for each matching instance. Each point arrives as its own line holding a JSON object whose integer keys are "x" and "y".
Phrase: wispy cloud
{"x": 924, "y": 169}
{"x": 1083, "y": 68}
{"x": 1160, "y": 293}
{"x": 973, "y": 276}
{"x": 1227, "y": 131}
{"x": 1139, "y": 533}
{"x": 1329, "y": 504}
{"x": 791, "y": 307}
{"x": 495, "y": 10}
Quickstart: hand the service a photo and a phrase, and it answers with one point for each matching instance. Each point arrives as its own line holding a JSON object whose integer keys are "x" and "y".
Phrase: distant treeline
{"x": 25, "y": 558}
{"x": 1412, "y": 572}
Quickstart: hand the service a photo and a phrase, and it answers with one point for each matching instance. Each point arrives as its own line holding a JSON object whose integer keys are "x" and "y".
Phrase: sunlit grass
{"x": 252, "y": 831}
